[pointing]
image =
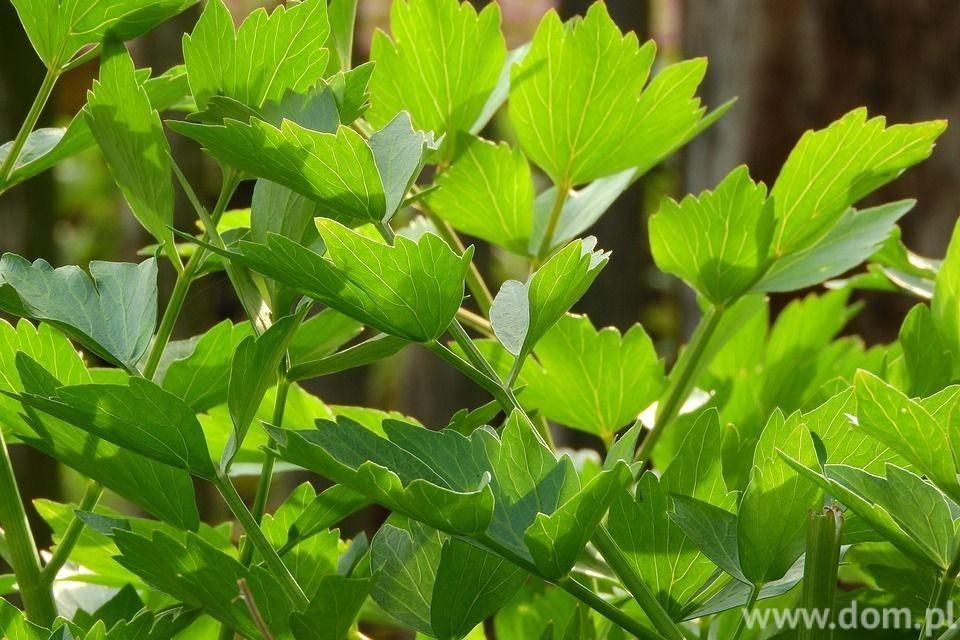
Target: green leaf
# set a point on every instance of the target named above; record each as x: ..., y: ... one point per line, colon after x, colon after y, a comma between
x: 717, y: 242
x: 945, y: 304
x: 488, y: 193
x: 47, y: 146
x: 457, y: 500
x: 438, y: 585
x: 523, y: 312
x: 908, y: 428
x: 139, y: 416
x: 578, y: 104
x: 410, y: 290
x: 321, y: 335
x: 870, y: 496
x: 200, y: 377
x: 323, y: 511
x: 159, y: 489
x: 831, y: 169
x: 404, y: 561
x: 301, y: 159
x: 200, y: 575
x: 556, y: 540
x: 854, y: 238
x: 112, y: 312
x: 712, y: 529
x: 442, y: 63
x: 400, y: 152
x: 376, y: 348
x: 657, y: 547
x: 928, y: 362
x: 337, y: 604
x: 595, y: 381
x: 15, y: 626
x: 831, y: 423
x: 58, y: 29
x: 131, y: 137
x: 266, y: 57
x: 470, y: 586
x: 342, y: 15
x: 254, y: 370
x: 678, y: 118
x: 772, y: 518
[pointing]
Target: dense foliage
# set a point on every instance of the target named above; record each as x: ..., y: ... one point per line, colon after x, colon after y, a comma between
x: 770, y: 450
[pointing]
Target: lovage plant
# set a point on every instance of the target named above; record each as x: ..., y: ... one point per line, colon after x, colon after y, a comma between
x: 773, y: 461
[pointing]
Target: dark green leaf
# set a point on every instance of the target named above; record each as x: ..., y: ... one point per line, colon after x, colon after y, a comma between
x: 112, y: 312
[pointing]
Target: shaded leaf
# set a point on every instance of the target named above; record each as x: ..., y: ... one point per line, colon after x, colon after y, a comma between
x: 86, y: 307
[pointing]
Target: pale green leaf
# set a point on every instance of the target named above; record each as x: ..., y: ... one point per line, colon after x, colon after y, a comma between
x: 772, y: 518
x: 523, y: 312
x: 578, y: 103
x: 595, y: 381
x: 337, y: 605
x: 831, y: 169
x: 488, y: 193
x: 716, y: 242
x: 267, y: 56
x: 908, y: 428
x: 712, y: 529
x: 58, y: 29
x: 399, y: 151
x: 441, y: 64
x: 854, y: 238
x: 945, y: 304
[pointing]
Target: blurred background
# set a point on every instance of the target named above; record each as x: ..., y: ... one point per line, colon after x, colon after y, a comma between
x: 793, y: 64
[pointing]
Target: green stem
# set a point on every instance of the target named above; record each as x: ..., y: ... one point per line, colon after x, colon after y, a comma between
x: 621, y: 566
x: 684, y: 376
x: 259, y: 541
x: 563, y: 191
x: 259, y: 506
x: 747, y: 608
x: 481, y: 293
x: 36, y: 592
x: 509, y: 399
x: 576, y: 589
x: 72, y: 535
x: 43, y: 94
x: 170, y: 315
x: 943, y: 592
x: 820, y: 566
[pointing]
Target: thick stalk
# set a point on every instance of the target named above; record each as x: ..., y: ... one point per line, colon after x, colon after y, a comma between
x: 621, y: 566
x: 563, y: 191
x: 43, y: 94
x: 36, y: 592
x: 259, y: 506
x: 820, y: 566
x: 690, y: 364
x: 259, y: 541
x: 72, y: 535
